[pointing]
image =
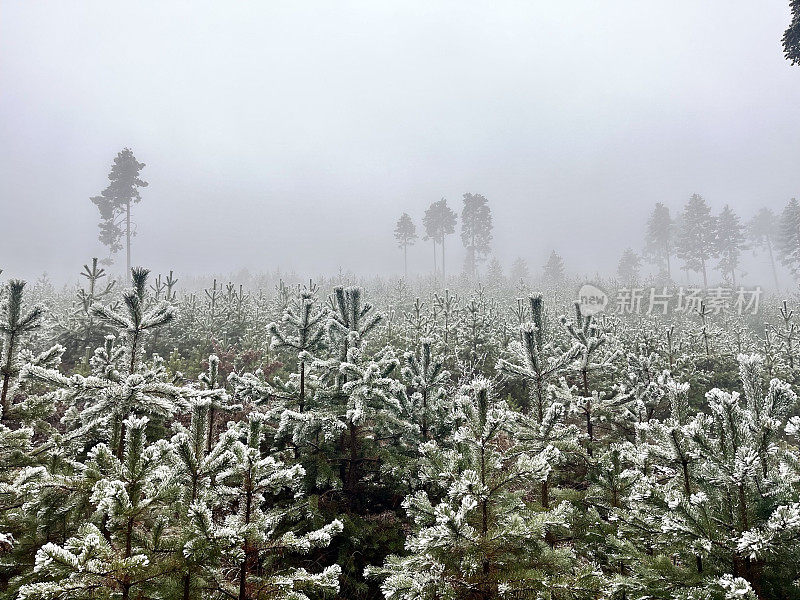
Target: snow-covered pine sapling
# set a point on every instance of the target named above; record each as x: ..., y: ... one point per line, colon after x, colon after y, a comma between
x: 302, y: 332
x: 210, y: 309
x: 769, y: 351
x: 669, y: 346
x: 536, y: 359
x: 218, y: 398
x: 476, y: 335
x: 117, y: 556
x: 418, y: 321
x: 590, y: 339
x: 645, y: 390
x: 426, y: 378
x: 448, y: 312
x: 348, y: 315
x: 139, y: 318
x: 703, y: 311
x: 788, y: 333
x: 670, y: 445
x: 726, y: 504
x: 367, y: 392
x: 122, y: 384
x: 263, y: 524
x: 196, y: 464
x: 195, y: 467
x: 473, y: 533
x: 95, y: 292
x: 15, y: 322
x: 166, y: 286
x: 520, y: 312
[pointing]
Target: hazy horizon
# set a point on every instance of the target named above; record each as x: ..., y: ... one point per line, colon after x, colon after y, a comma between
x: 294, y: 135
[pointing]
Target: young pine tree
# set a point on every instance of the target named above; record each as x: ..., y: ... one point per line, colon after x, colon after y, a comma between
x: 591, y: 340
x: 721, y: 495
x: 265, y: 525
x: 218, y: 399
x: 195, y: 468
x: 122, y: 383
x: 536, y: 358
x: 474, y: 535
x: 302, y: 333
x: 425, y: 378
x: 15, y: 323
x: 116, y: 555
x: 494, y: 272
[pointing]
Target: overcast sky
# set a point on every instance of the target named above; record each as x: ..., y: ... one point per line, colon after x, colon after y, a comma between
x: 294, y: 133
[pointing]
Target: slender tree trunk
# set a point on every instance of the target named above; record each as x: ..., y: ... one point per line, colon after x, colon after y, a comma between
x: 425, y: 415
x: 444, y: 274
x: 302, y: 386
x: 705, y: 276
x: 589, y: 423
x: 687, y: 488
x: 434, y: 258
x: 669, y: 267
x: 6, y: 401
x: 772, y: 264
x: 128, y: 236
x: 187, y: 587
x: 545, y: 495
x: 210, y: 434
x: 126, y: 585
x: 121, y: 442
x: 247, y: 549
x: 405, y: 261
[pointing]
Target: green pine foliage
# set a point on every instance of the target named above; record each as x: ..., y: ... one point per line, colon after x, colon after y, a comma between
x: 393, y: 440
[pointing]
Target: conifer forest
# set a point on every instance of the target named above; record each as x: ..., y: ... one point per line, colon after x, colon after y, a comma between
x: 596, y: 399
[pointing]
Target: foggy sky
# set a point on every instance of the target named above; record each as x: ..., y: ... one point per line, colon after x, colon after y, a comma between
x: 293, y: 134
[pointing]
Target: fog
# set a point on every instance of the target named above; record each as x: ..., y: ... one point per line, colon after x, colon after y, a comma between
x: 293, y: 135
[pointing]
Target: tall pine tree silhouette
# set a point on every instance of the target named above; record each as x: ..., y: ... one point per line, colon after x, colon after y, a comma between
x: 696, y: 240
x: 405, y: 232
x: 114, y: 203
x: 476, y: 231
x: 439, y: 222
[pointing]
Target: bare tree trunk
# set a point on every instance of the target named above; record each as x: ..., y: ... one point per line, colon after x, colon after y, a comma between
x: 210, y: 433
x: 669, y: 267
x: 128, y: 236
x: 705, y: 276
x: 6, y: 401
x: 772, y: 264
x: 302, y: 386
x: 444, y: 275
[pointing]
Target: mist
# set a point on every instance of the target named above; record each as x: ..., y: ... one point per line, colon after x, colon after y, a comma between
x: 293, y: 135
